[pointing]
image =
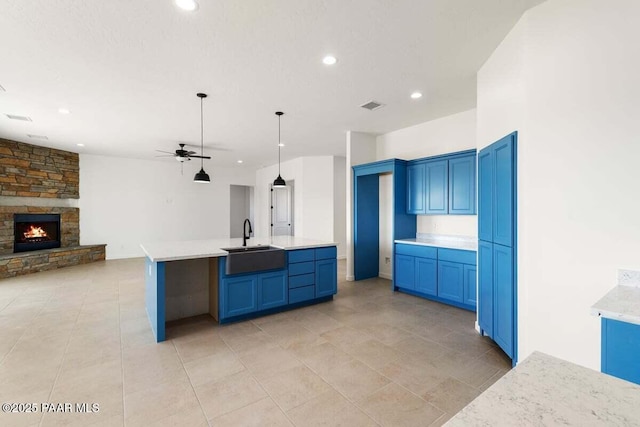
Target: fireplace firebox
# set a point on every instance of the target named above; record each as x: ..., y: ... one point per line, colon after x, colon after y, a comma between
x: 33, y: 232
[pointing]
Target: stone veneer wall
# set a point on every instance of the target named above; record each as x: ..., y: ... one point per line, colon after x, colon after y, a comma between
x: 69, y: 225
x: 49, y: 259
x: 31, y: 171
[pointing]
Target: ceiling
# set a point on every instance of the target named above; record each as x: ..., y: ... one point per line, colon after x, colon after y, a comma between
x: 129, y: 71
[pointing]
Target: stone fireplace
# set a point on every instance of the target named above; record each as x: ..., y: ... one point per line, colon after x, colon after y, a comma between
x: 33, y: 232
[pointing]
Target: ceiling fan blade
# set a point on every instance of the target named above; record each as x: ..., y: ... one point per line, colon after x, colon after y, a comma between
x: 191, y: 152
x: 201, y: 157
x: 166, y: 155
x: 166, y: 152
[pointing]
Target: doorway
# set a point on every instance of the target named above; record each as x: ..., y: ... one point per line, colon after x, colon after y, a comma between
x: 282, y: 220
x: 241, y: 202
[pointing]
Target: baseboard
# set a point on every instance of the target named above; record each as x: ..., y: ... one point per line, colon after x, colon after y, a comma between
x: 341, y: 257
x: 385, y: 276
x: 478, y: 327
x: 350, y: 278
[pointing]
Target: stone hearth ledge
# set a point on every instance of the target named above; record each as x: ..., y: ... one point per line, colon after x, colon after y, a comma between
x: 22, y: 263
x: 192, y: 249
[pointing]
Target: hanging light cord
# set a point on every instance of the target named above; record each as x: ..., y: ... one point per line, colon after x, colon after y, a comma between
x: 201, y: 134
x: 279, y: 144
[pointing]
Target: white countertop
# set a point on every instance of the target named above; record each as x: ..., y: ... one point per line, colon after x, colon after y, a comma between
x: 191, y: 249
x: 465, y: 243
x: 621, y: 303
x: 545, y: 391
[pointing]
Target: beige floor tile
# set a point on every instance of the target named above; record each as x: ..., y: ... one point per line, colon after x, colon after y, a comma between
x: 395, y: 406
x: 322, y: 358
x: 451, y: 395
x: 316, y: 321
x: 414, y: 374
x: 264, y: 364
x: 374, y: 353
x: 200, y: 347
x: 150, y: 365
x: 294, y: 386
x: 329, y: 409
x: 355, y: 380
x: 153, y: 404
x: 346, y: 337
x: 228, y: 394
x: 213, y: 368
x: 419, y: 347
x: 263, y: 413
x: 15, y: 419
x: 249, y: 343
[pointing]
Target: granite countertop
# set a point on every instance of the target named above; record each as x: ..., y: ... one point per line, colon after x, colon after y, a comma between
x: 545, y: 391
x: 622, y: 302
x: 465, y: 243
x: 192, y: 249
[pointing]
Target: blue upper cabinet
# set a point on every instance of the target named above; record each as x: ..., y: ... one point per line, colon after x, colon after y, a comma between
x: 462, y: 188
x: 436, y: 187
x: 416, y: 188
x: 442, y: 185
x: 485, y: 195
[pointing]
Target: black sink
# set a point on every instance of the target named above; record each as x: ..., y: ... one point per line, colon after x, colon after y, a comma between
x: 248, y: 259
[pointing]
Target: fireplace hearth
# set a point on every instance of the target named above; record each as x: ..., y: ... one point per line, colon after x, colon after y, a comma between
x: 34, y: 232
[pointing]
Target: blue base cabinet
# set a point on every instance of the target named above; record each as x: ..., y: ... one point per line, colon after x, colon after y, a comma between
x: 443, y: 275
x: 311, y: 276
x: 621, y: 350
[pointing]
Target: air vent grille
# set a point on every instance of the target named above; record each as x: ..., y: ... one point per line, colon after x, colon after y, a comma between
x: 372, y: 105
x: 15, y: 117
x: 2, y: 89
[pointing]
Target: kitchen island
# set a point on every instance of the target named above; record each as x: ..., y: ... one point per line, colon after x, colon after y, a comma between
x: 189, y: 278
x: 546, y: 391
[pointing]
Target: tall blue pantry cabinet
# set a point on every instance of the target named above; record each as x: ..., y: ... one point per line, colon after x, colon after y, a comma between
x: 497, y: 276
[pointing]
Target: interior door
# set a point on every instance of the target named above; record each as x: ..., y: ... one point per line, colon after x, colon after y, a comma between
x: 282, y: 211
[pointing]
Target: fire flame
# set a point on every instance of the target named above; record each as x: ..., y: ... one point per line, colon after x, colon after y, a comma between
x: 34, y: 232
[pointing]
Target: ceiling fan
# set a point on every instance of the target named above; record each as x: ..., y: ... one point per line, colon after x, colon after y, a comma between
x: 182, y: 155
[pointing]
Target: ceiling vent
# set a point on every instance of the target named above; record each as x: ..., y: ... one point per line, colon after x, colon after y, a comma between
x: 38, y: 136
x: 372, y: 105
x: 2, y: 89
x: 23, y: 118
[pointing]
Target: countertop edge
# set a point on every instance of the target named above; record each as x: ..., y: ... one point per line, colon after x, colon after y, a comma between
x: 459, y: 247
x: 615, y: 316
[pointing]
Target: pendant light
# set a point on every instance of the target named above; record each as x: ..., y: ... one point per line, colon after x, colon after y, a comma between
x: 201, y: 177
x: 279, y: 182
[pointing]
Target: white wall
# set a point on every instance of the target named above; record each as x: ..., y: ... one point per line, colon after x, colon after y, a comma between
x: 340, y: 205
x: 574, y: 100
x: 361, y: 148
x: 240, y: 201
x: 317, y: 205
x: 125, y: 202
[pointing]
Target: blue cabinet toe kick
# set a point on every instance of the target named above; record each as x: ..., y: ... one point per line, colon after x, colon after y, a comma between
x: 261, y: 313
x: 436, y: 299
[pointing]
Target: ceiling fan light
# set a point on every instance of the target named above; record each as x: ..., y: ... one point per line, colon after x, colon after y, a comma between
x: 279, y: 182
x: 202, y: 177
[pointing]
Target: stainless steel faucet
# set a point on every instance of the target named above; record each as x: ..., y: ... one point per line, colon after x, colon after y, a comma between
x: 246, y: 236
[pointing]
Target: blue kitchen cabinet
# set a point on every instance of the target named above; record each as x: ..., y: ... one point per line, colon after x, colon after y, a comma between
x: 272, y: 289
x: 405, y: 271
x: 497, y: 298
x: 469, y: 285
x: 462, y: 188
x: 416, y: 188
x: 620, y: 349
x: 436, y: 198
x: 238, y: 295
x: 485, y: 287
x: 426, y: 273
x: 326, y: 277
x: 450, y: 280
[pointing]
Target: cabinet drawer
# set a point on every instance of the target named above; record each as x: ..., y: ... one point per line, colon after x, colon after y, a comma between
x: 302, y: 255
x: 326, y: 253
x: 301, y: 294
x: 456, y: 255
x: 302, y: 268
x: 301, y: 280
x: 417, y: 250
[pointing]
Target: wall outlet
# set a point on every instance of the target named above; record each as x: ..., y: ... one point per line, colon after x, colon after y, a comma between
x: 387, y: 260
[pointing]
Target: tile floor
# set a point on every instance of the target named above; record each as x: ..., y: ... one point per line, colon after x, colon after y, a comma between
x: 369, y: 357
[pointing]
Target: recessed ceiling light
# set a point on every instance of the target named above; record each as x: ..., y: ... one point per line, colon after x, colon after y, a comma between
x: 80, y: 145
x: 15, y: 117
x: 239, y: 161
x: 329, y: 60
x: 416, y: 95
x: 38, y: 136
x: 63, y: 111
x: 281, y: 145
x: 188, y: 5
